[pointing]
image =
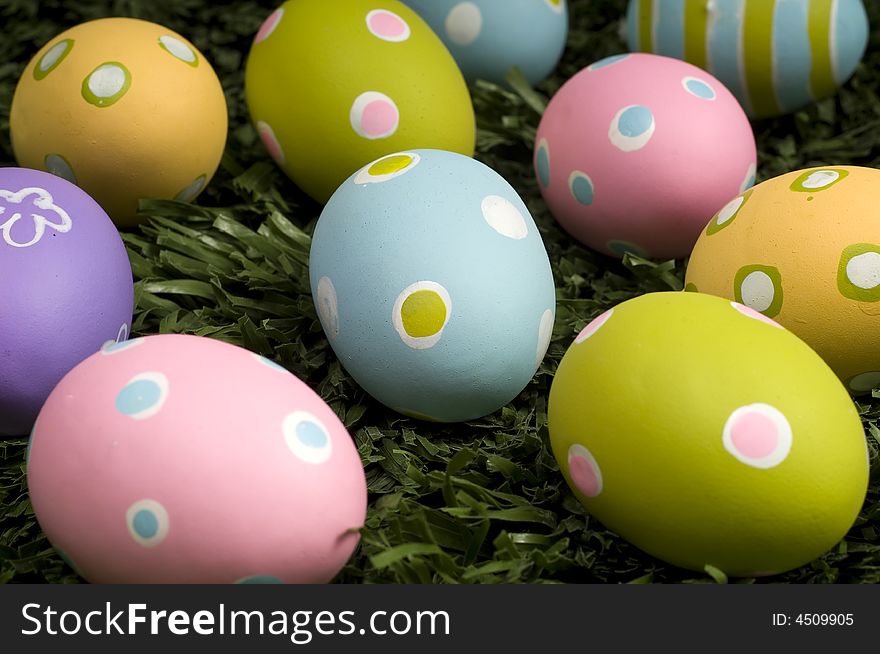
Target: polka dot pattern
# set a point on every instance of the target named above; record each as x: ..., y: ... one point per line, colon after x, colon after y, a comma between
x: 632, y: 128
x: 584, y: 470
x: 502, y: 216
x: 464, y: 23
x: 387, y: 167
x: 758, y: 435
x: 728, y: 213
x: 751, y: 313
x: 607, y: 61
x: 542, y: 162
x: 117, y: 346
x: 814, y: 181
x: 107, y: 84
x: 53, y: 58
x: 581, y: 187
x: 327, y: 307
x: 421, y: 313
x: 590, y: 330
x: 760, y: 288
x: 269, y: 363
x: 259, y: 579
x: 269, y: 26
x: 147, y: 522
x: 178, y: 49
x: 192, y: 191
x: 307, y: 437
x: 865, y: 382
x: 387, y: 26
x: 621, y: 248
x: 143, y: 396
x: 545, y: 333
x: 59, y: 166
x: 749, y: 180
x: 273, y: 147
x: 698, y: 88
x: 556, y: 5
x: 374, y: 116
x: 858, y: 274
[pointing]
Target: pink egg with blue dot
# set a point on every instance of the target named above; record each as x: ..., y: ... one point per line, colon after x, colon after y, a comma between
x: 180, y: 459
x: 636, y: 152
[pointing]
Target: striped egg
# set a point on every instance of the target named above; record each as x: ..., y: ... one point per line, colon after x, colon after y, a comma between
x: 776, y: 56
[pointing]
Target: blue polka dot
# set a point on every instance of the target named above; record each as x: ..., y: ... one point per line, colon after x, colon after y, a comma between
x: 64, y: 557
x: 622, y: 247
x: 607, y: 61
x: 635, y: 121
x: 145, y: 524
x: 581, y: 188
x: 27, y: 452
x: 699, y: 88
x: 271, y: 364
x: 260, y: 579
x: 543, y: 164
x: 311, y: 434
x: 139, y: 398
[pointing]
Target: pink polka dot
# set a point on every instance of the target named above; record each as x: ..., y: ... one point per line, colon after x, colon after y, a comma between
x: 271, y: 143
x: 584, y: 471
x: 758, y: 435
x: 268, y: 26
x: 387, y: 25
x: 751, y: 313
x: 593, y: 327
x: 374, y: 115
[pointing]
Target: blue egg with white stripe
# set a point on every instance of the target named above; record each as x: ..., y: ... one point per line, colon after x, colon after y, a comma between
x: 775, y: 56
x: 488, y: 38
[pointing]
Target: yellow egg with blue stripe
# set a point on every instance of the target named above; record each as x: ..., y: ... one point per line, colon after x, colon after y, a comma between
x: 775, y: 56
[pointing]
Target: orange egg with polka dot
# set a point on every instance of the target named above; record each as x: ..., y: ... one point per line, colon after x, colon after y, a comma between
x: 804, y: 249
x: 124, y: 108
x: 331, y: 89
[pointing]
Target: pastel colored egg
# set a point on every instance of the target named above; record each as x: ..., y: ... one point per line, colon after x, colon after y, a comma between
x: 66, y: 288
x: 330, y: 90
x: 488, y: 38
x: 776, y: 56
x: 712, y: 437
x: 180, y: 459
x: 125, y: 109
x: 804, y: 249
x: 635, y: 152
x: 432, y: 284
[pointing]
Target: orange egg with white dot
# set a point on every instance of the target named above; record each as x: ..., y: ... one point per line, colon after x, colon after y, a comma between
x: 804, y: 249
x: 124, y: 108
x: 331, y: 89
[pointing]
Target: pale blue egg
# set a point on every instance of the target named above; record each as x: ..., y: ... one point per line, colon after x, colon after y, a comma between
x: 432, y: 285
x: 489, y: 37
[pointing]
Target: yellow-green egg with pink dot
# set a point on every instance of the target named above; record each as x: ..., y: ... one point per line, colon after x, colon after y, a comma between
x: 803, y: 248
x: 714, y: 438
x: 124, y: 108
x: 332, y: 88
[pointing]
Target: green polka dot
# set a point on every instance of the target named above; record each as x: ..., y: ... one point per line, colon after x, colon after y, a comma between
x: 621, y: 248
x: 728, y: 213
x: 178, y: 49
x: 690, y: 287
x: 759, y: 287
x: 818, y: 180
x: 53, y: 58
x: 106, y: 84
x: 858, y: 273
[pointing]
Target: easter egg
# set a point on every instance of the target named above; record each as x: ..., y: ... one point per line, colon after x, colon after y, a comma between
x: 804, y: 249
x: 488, y: 38
x: 125, y: 109
x: 635, y: 152
x: 67, y: 288
x: 432, y: 285
x: 181, y: 459
x: 705, y: 434
x: 774, y: 55
x: 331, y: 89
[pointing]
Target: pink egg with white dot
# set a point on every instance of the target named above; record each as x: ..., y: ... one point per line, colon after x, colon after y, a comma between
x: 180, y: 459
x: 636, y: 152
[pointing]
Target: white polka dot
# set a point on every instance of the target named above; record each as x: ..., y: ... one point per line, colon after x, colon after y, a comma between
x: 729, y: 210
x: 863, y: 270
x: 545, y: 332
x: 122, y: 334
x: 370, y: 174
x: 758, y: 435
x: 420, y: 342
x: 327, y: 307
x: 504, y: 218
x: 106, y: 81
x: 593, y: 326
x: 178, y: 48
x: 749, y: 180
x: 374, y: 115
x: 866, y: 381
x: 757, y: 290
x: 820, y: 179
x: 147, y: 522
x: 53, y: 54
x: 632, y: 128
x: 464, y: 23
x: 307, y: 437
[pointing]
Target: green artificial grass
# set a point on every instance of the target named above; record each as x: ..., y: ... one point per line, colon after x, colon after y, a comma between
x: 481, y: 502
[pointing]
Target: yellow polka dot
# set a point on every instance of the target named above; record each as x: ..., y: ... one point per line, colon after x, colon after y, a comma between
x: 555, y: 2
x: 390, y: 165
x: 423, y: 314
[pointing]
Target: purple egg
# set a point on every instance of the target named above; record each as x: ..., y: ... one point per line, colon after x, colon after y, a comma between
x: 65, y: 288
